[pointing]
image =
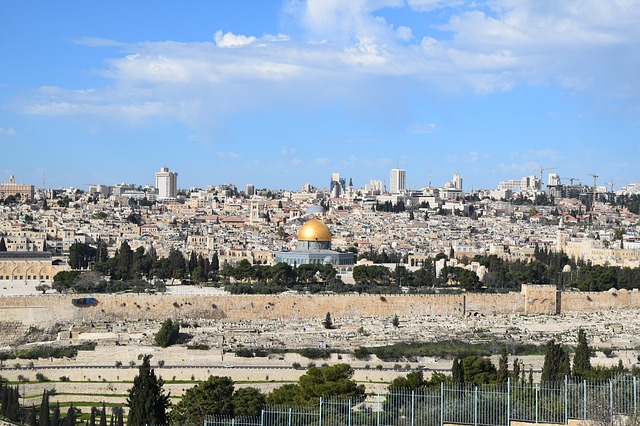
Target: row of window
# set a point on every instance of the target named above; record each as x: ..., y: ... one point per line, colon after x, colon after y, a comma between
x: 29, y: 277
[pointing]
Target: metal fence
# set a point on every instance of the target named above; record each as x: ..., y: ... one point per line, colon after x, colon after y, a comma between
x: 486, y: 405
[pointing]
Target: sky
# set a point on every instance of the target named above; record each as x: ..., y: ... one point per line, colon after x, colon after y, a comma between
x: 280, y: 93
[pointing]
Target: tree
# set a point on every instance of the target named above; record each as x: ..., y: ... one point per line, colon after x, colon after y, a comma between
x: 478, y: 370
x: 503, y: 367
x: 213, y: 396
x: 81, y: 255
x: 284, y: 395
x: 3, y: 245
x: 556, y: 363
x: 457, y: 373
x: 147, y: 401
x: 168, y: 333
x: 395, y: 321
x: 328, y: 322
x: 70, y: 418
x: 31, y: 419
x: 248, y: 402
x: 334, y: 380
x: 44, y: 410
x: 103, y: 415
x: 413, y: 381
x: 581, y: 358
x: 55, y: 417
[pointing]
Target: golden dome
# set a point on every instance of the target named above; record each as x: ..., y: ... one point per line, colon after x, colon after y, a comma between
x: 314, y: 230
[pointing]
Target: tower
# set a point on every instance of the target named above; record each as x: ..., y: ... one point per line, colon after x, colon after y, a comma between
x: 397, y: 181
x: 167, y: 184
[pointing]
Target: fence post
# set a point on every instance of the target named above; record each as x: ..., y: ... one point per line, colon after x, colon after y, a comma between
x: 290, y: 413
x: 441, y: 403
x: 379, y: 409
x: 320, y: 414
x: 635, y: 396
x: 475, y: 407
x: 350, y: 412
x: 262, y: 418
x: 537, y: 404
x: 413, y: 408
x: 508, y: 401
x: 584, y: 399
x: 566, y: 400
x: 611, y: 398
x: 233, y: 421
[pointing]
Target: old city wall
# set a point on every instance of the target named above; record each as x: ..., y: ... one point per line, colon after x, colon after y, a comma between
x: 600, y: 301
x: 533, y: 299
x: 38, y: 310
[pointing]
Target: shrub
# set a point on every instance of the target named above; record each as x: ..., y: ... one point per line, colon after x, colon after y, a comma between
x: 65, y: 379
x: 315, y: 353
x: 168, y: 333
x: 22, y: 378
x: 41, y: 377
x: 296, y: 365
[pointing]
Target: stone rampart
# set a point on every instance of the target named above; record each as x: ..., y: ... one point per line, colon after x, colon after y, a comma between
x: 494, y: 304
x: 48, y: 309
x: 600, y: 301
x: 534, y: 299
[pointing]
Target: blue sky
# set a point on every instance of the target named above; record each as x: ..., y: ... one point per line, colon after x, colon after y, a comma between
x: 281, y: 93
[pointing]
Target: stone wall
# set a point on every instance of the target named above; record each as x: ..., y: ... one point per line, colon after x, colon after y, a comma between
x: 600, y: 301
x: 534, y: 299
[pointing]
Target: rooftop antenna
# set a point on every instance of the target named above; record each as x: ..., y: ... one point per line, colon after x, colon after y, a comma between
x: 429, y: 178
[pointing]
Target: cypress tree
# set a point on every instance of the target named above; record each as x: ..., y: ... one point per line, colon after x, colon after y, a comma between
x: 31, y: 419
x: 4, y: 399
x: 457, y: 372
x: 92, y: 419
x: 581, y: 360
x: 55, y: 418
x: 120, y: 419
x: 556, y: 363
x: 70, y: 419
x: 503, y: 367
x: 515, y: 375
x: 44, y: 410
x: 3, y: 245
x: 103, y: 416
x: 147, y: 402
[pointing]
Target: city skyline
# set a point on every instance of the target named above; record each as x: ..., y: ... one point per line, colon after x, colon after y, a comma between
x: 283, y: 93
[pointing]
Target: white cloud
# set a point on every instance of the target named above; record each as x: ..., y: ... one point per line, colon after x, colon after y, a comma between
x: 229, y: 39
x: 287, y: 151
x: 353, y: 56
x: 7, y: 132
x: 422, y: 129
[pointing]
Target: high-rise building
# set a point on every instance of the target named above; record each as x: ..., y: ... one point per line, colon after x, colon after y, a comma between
x: 457, y: 181
x: 167, y: 184
x: 337, y: 185
x: 397, y: 181
x: 249, y: 190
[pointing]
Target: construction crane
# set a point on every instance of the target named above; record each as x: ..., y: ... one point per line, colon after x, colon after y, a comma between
x: 595, y: 177
x: 571, y: 180
x: 612, y: 182
x: 542, y: 169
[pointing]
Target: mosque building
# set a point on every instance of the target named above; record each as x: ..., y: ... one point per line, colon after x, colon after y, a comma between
x: 314, y: 247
